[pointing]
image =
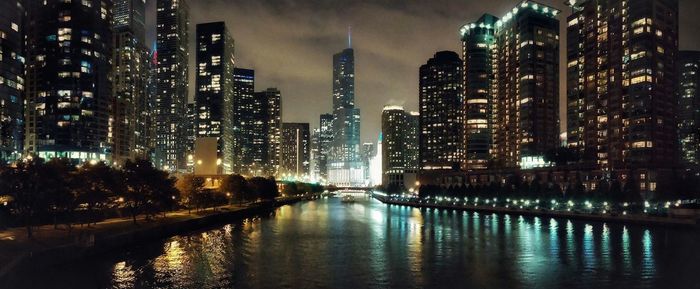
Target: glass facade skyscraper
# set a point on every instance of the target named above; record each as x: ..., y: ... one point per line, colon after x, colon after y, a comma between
x: 214, y: 94
x: 344, y: 164
x: 172, y: 23
x: 131, y: 114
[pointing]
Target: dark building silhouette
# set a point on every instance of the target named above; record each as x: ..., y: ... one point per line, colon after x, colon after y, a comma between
x: 441, y: 106
x: 12, y: 86
x: 214, y: 96
x: 69, y: 91
x: 172, y: 21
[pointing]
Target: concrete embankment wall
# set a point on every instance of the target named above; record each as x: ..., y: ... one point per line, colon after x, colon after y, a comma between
x: 106, y: 242
x: 629, y: 219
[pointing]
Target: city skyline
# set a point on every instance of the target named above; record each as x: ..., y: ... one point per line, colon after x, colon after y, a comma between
x: 384, y: 46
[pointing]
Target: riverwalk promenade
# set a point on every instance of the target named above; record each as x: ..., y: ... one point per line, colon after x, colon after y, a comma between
x: 639, y: 219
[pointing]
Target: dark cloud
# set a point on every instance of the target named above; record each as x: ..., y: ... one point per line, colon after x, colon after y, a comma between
x: 290, y: 44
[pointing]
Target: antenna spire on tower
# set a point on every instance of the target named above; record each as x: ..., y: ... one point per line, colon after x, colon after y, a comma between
x: 349, y: 36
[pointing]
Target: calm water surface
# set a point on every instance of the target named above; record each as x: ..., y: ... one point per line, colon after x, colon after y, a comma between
x: 329, y: 244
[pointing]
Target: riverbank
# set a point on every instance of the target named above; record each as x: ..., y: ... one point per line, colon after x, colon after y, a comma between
x: 52, y: 247
x: 629, y: 219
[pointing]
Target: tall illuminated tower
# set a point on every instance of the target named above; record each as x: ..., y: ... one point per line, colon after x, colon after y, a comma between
x: 344, y: 163
x: 172, y: 75
x: 214, y: 94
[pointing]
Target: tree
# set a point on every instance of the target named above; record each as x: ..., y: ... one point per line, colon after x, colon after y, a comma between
x: 192, y: 188
x: 24, y: 183
x: 234, y: 185
x: 97, y: 183
x: 146, y: 188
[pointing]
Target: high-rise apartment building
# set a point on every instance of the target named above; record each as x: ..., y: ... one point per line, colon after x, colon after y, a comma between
x: 441, y: 121
x: 273, y: 130
x: 621, y: 82
x: 295, y: 150
x: 689, y: 108
x: 172, y: 23
x: 214, y: 96
x: 12, y: 60
x: 399, y: 144
x: 131, y: 113
x: 257, y: 127
x: 243, y: 90
x: 69, y: 87
x: 478, y: 43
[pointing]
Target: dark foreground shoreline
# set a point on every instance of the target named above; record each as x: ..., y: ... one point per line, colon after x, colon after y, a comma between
x: 102, y: 243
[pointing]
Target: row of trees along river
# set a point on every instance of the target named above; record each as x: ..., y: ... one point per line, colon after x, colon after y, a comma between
x: 37, y: 192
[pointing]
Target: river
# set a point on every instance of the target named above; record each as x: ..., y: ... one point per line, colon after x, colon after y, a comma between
x: 330, y: 244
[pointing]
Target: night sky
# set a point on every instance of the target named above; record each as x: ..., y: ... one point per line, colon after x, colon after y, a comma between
x: 290, y: 44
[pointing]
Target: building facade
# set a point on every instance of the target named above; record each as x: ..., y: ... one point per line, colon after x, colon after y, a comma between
x: 478, y: 44
x: 295, y: 150
x: 399, y: 143
x: 273, y: 129
x: 621, y: 82
x: 441, y: 118
x: 243, y: 90
x: 214, y: 94
x: 12, y: 60
x: 324, y: 143
x: 344, y: 164
x: 131, y: 118
x: 257, y: 127
x: 689, y: 108
x: 69, y: 87
x: 172, y: 21
x: 525, y: 86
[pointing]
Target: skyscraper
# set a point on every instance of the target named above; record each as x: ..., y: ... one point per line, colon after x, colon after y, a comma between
x: 295, y: 150
x: 314, y: 157
x: 259, y: 121
x: 172, y: 23
x: 12, y: 59
x: 273, y: 131
x: 478, y: 40
x: 243, y: 90
x: 324, y: 143
x: 689, y: 107
x: 399, y: 144
x: 441, y: 114
x: 69, y: 89
x: 526, y: 85
x: 621, y: 82
x: 214, y: 95
x: 131, y: 111
x: 344, y: 164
